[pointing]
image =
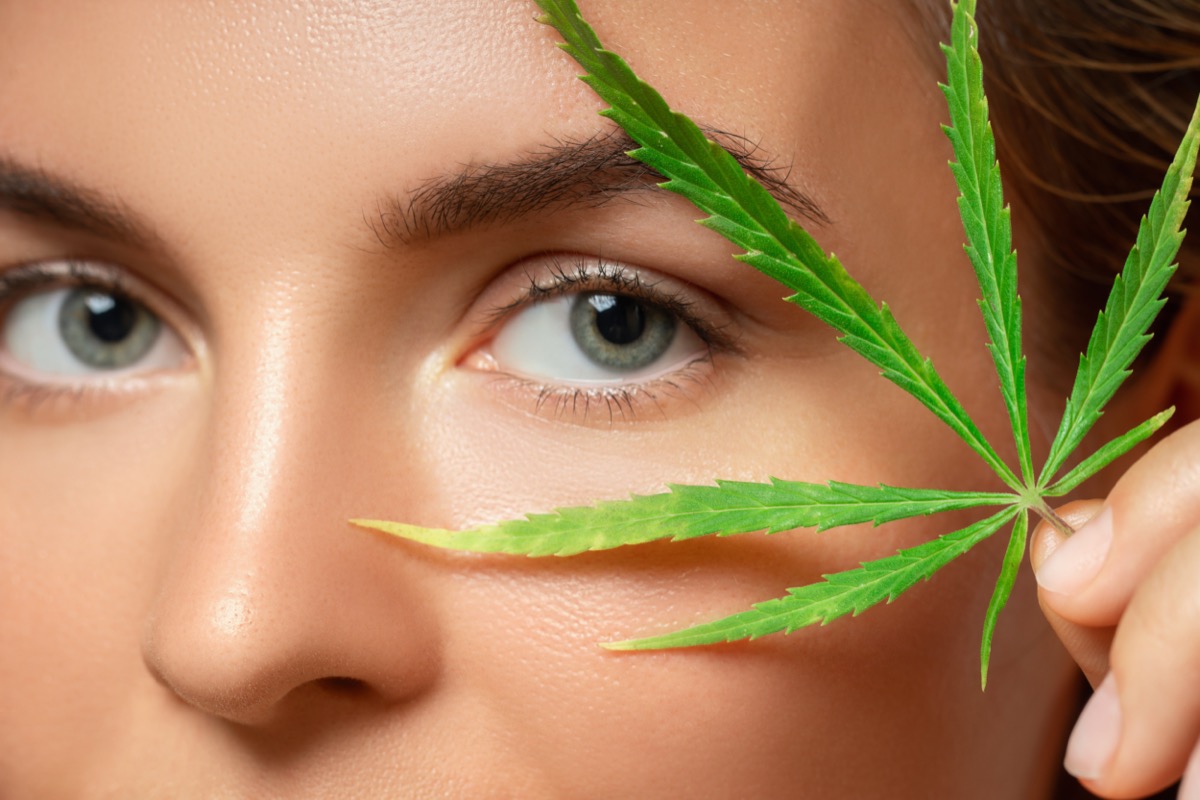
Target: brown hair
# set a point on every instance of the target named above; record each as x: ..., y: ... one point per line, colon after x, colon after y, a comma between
x: 1089, y: 99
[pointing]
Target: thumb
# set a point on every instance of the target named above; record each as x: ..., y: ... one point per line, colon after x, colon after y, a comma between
x: 1088, y: 645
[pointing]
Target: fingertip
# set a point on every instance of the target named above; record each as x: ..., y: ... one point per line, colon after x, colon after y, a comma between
x: 1190, y: 788
x: 1078, y: 559
x: 1046, y: 539
x: 1096, y: 734
x: 1042, y: 543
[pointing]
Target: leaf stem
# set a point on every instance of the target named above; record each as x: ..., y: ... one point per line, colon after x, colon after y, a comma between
x: 1045, y: 512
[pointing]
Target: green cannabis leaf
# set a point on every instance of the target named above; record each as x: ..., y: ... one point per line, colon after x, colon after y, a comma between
x: 987, y: 225
x: 1135, y: 300
x: 686, y: 512
x: 741, y: 210
x: 849, y: 592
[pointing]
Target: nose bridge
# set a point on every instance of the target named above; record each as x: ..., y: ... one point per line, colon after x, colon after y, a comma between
x: 251, y: 408
x: 267, y: 588
x: 276, y: 431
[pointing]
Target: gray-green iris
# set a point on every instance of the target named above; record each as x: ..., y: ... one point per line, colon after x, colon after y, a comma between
x: 105, y: 330
x: 619, y: 332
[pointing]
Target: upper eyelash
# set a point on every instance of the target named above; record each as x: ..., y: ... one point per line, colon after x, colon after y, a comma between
x: 579, y: 274
x: 43, y: 275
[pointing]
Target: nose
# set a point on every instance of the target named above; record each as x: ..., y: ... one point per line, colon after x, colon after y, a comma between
x: 268, y: 601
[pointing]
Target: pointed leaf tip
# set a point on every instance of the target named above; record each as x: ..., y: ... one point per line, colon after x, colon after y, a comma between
x: 1013, y: 558
x: 1136, y: 299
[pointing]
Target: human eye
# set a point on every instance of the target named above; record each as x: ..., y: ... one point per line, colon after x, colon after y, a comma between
x: 584, y: 333
x: 70, y: 325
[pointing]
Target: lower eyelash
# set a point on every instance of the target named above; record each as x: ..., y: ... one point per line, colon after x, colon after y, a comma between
x: 617, y: 403
x: 66, y: 400
x: 40, y: 399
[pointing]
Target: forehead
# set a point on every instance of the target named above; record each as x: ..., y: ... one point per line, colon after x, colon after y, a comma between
x: 323, y: 104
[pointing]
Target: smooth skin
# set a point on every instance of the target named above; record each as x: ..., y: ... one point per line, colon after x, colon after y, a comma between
x: 184, y: 610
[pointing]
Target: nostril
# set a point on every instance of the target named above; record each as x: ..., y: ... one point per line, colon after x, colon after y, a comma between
x: 343, y: 686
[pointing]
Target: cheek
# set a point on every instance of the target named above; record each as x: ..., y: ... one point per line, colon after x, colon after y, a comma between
x: 715, y: 721
x: 751, y: 706
x: 810, y: 418
x: 81, y: 538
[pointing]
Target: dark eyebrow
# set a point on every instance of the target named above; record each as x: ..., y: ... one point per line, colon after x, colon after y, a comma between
x: 40, y: 195
x: 589, y: 173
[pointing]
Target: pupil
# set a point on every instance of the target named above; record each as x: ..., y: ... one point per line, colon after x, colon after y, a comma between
x: 110, y: 319
x: 620, y: 320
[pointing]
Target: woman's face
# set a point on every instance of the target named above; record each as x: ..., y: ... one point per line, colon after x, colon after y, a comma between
x: 272, y: 266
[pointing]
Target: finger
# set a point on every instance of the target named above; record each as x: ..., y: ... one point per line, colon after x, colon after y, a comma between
x: 1190, y: 788
x: 1138, y: 730
x: 1088, y: 645
x: 1089, y: 579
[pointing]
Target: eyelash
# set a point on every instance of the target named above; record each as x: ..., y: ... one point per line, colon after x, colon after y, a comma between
x: 33, y: 397
x: 621, y: 402
x: 582, y: 275
x: 25, y: 279
x: 576, y: 274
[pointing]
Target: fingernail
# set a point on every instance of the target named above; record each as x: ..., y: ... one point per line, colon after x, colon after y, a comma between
x: 1077, y: 560
x: 1190, y: 788
x: 1096, y: 734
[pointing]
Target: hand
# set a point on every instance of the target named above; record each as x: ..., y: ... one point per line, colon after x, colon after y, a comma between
x: 1123, y: 595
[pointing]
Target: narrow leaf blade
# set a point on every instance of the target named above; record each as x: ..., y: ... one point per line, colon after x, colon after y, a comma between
x: 1109, y: 453
x: 986, y: 220
x: 1008, y: 575
x: 849, y: 592
x: 1135, y: 300
x: 686, y: 512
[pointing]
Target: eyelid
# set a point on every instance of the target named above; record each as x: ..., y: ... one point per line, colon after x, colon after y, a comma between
x: 48, y: 274
x: 552, y: 275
